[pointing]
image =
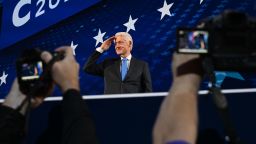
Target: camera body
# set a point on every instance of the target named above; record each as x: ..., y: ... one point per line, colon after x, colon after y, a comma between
x: 34, y: 75
x: 229, y: 40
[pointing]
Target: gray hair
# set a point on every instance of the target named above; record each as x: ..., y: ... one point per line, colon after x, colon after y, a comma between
x: 127, y: 36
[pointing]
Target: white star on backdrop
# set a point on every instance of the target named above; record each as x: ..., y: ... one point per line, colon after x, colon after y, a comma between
x: 73, y: 47
x: 99, y: 37
x: 3, y: 78
x: 130, y: 24
x: 165, y: 10
x: 201, y: 1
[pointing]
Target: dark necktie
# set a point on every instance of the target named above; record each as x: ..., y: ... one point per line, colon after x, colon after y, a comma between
x: 124, y: 68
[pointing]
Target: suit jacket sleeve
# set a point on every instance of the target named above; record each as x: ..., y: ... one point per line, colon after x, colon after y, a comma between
x: 78, y: 126
x: 91, y: 65
x: 146, y: 79
x: 12, y: 126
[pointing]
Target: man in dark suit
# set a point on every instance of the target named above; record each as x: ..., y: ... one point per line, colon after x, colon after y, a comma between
x: 124, y: 74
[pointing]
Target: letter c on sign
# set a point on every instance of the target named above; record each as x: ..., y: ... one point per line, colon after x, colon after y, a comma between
x: 19, y: 21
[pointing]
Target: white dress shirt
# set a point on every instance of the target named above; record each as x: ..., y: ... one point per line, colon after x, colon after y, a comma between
x: 129, y: 57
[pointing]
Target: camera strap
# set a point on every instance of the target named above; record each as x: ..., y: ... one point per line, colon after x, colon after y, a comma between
x: 220, y: 102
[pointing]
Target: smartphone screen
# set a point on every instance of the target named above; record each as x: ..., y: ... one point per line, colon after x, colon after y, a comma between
x: 192, y: 41
x: 31, y: 71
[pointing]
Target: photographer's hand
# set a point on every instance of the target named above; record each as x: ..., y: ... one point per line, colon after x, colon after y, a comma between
x: 16, y: 97
x: 64, y: 72
x: 177, y: 119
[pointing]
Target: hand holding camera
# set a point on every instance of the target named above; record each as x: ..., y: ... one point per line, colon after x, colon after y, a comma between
x: 65, y: 72
x: 37, y: 71
x: 228, y: 40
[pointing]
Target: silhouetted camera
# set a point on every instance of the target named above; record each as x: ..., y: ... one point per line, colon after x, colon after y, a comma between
x: 228, y: 39
x: 34, y: 75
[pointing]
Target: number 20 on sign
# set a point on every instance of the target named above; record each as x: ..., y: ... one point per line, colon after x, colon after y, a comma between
x: 41, y: 9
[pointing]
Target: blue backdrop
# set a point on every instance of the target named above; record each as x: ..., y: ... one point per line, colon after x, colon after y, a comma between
x: 24, y: 18
x: 153, y: 33
x: 154, y: 41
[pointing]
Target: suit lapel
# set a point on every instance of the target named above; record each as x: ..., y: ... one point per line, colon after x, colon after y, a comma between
x: 117, y: 68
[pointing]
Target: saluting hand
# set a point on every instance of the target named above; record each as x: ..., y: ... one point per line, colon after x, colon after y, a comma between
x: 107, y: 43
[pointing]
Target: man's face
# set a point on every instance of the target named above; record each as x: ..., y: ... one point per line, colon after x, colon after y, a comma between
x: 122, y: 46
